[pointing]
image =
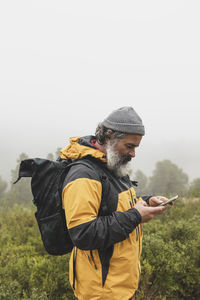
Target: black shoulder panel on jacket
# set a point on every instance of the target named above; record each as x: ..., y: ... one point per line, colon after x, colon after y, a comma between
x: 81, y: 171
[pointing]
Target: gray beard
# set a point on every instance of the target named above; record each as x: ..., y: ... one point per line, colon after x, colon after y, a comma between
x: 115, y: 162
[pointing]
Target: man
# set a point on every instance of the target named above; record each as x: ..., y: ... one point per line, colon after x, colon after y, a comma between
x: 103, y: 214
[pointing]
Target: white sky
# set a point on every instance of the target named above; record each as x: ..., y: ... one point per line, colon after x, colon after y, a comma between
x: 65, y: 65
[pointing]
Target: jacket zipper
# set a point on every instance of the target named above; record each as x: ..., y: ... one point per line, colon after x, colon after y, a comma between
x: 74, y: 266
x: 137, y: 228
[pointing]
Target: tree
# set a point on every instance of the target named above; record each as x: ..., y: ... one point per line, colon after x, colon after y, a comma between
x: 168, y: 179
x: 21, y: 191
x: 3, y: 186
x: 50, y: 156
x: 142, y: 180
x: 57, y: 153
x: 54, y: 156
x: 194, y: 190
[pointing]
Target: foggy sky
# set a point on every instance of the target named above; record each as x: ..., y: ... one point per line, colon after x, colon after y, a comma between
x: 65, y: 65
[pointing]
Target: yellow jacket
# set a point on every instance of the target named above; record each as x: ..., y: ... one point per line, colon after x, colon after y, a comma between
x: 105, y: 261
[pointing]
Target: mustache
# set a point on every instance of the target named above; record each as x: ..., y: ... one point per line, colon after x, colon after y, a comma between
x: 126, y: 159
x: 118, y: 164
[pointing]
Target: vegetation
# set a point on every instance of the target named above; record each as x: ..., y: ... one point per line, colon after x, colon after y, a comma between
x: 194, y: 190
x: 167, y: 179
x: 142, y: 179
x: 26, y: 270
x: 3, y: 186
x: 170, y: 259
x: 171, y: 244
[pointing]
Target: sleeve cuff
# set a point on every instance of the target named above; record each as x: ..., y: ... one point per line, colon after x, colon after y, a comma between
x: 146, y: 198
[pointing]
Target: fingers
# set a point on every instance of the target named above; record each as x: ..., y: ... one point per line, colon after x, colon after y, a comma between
x: 142, y: 202
x: 164, y: 199
x: 155, y: 201
x: 158, y: 210
x: 155, y: 211
x: 147, y: 213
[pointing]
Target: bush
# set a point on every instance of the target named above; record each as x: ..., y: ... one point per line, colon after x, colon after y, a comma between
x: 194, y: 190
x: 170, y: 260
x: 27, y: 271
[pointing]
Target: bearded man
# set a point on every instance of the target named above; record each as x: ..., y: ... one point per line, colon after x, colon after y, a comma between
x: 103, y: 213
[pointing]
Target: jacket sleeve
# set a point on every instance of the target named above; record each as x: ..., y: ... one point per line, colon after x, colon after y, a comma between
x: 146, y: 198
x: 81, y: 201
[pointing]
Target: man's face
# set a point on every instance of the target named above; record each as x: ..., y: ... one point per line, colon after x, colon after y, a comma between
x: 120, y: 152
x: 126, y: 146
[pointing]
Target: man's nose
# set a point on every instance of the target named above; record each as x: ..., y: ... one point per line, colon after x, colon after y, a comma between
x: 132, y: 153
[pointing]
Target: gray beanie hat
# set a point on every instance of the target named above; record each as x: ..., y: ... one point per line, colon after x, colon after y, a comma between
x: 125, y: 119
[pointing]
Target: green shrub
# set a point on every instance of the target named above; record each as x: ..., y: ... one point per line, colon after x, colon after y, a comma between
x: 170, y: 260
x: 26, y: 270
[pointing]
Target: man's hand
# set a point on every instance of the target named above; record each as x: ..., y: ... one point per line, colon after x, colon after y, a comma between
x: 156, y: 200
x: 147, y: 213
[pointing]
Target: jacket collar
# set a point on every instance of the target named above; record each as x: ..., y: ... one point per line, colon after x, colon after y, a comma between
x: 80, y: 147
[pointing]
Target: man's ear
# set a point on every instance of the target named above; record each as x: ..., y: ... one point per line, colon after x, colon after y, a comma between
x: 109, y: 133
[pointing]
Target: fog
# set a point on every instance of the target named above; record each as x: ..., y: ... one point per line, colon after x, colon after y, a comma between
x: 65, y: 65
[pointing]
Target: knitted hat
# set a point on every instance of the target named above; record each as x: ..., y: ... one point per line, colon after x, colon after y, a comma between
x: 125, y: 119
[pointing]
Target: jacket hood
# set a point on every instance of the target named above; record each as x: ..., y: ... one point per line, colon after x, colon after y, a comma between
x: 80, y: 147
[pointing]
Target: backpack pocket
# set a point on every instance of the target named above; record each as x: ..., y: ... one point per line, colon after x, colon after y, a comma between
x: 54, y: 233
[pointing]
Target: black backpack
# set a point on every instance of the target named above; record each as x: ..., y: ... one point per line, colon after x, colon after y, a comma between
x: 46, y: 184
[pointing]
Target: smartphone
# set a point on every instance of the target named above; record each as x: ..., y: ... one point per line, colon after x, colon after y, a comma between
x: 168, y: 201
